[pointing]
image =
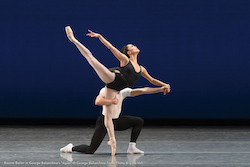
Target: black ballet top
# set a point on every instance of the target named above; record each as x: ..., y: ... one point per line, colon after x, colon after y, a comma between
x: 126, y: 78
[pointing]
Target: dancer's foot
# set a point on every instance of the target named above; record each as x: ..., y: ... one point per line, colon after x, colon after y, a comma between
x: 133, y: 150
x: 70, y: 34
x: 112, y: 144
x: 67, y: 149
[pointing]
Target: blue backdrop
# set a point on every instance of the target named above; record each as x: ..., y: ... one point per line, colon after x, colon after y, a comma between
x: 200, y: 47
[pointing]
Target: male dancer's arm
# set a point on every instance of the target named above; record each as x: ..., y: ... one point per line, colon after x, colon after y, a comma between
x: 102, y: 101
x: 148, y: 90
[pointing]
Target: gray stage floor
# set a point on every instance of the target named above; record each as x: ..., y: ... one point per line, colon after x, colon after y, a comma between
x: 163, y: 146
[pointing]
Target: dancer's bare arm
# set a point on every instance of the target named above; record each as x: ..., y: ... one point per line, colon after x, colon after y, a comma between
x: 101, y: 100
x: 120, y: 56
x: 152, y: 80
x: 148, y: 90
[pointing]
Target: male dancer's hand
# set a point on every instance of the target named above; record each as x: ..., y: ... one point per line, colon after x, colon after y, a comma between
x: 115, y: 100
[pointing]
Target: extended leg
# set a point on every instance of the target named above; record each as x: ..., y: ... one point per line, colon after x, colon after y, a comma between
x: 105, y: 75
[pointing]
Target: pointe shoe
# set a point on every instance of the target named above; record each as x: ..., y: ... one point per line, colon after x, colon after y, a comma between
x: 112, y: 144
x: 70, y: 34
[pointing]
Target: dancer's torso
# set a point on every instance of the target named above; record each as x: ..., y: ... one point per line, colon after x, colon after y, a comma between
x: 118, y: 107
x: 125, y: 78
x: 130, y: 74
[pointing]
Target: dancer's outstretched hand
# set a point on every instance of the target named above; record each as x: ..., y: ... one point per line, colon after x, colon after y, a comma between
x: 166, y: 89
x: 93, y: 34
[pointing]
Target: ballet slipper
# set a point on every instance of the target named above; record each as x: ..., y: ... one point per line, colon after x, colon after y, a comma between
x: 70, y: 34
x: 112, y: 144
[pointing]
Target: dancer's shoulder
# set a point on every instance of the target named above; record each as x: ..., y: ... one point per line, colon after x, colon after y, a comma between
x: 102, y: 91
x: 125, y: 92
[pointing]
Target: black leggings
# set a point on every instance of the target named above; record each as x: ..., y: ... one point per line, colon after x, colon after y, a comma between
x: 122, y: 123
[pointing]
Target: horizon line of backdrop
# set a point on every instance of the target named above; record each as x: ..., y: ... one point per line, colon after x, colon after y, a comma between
x: 199, y: 47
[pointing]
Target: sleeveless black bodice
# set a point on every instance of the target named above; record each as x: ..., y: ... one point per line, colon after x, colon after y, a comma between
x: 130, y: 74
x: 126, y: 78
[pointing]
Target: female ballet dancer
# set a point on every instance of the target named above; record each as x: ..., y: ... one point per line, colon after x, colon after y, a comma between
x: 129, y: 73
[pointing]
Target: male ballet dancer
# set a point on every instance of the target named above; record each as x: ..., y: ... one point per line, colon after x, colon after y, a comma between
x: 120, y: 123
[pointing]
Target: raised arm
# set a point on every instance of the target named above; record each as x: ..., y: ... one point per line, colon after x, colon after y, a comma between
x: 152, y: 80
x: 147, y: 90
x: 101, y: 100
x: 120, y: 56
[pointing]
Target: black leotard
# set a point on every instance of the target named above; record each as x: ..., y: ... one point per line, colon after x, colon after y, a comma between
x: 126, y: 78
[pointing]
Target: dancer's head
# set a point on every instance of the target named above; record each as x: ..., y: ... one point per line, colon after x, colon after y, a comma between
x: 130, y: 50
